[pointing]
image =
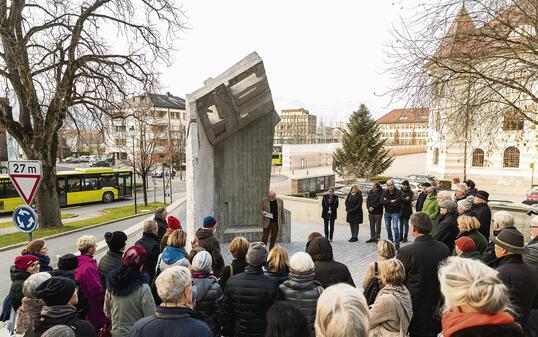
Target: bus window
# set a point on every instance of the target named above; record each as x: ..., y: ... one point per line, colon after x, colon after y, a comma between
x: 90, y: 184
x: 11, y: 191
x: 73, y: 184
x: 107, y: 181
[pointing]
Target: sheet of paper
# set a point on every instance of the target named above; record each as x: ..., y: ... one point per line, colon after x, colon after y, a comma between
x: 268, y: 215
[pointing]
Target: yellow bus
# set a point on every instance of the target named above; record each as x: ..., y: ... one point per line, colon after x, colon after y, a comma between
x: 277, y: 155
x: 79, y: 186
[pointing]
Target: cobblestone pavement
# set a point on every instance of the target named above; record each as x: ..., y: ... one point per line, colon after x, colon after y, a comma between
x: 356, y: 255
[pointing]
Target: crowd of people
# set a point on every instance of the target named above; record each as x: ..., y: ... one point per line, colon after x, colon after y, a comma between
x: 451, y: 279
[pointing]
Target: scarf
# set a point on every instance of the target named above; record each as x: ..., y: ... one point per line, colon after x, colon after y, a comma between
x: 172, y: 255
x: 403, y: 297
x: 455, y: 321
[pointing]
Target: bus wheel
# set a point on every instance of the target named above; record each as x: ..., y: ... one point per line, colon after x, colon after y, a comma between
x: 108, y: 197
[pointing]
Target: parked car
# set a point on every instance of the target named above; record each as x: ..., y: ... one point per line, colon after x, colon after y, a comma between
x: 84, y: 159
x: 158, y: 172
x: 72, y: 160
x: 422, y: 178
x: 532, y: 196
x: 344, y: 191
x: 101, y: 163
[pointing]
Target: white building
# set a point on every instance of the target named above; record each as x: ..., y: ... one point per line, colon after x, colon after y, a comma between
x: 157, y: 119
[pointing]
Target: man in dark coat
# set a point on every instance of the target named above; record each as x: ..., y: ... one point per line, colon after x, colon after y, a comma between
x: 392, y: 200
x: 329, y: 205
x: 150, y: 242
x: 375, y: 212
x: 160, y: 218
x: 327, y: 270
x: 445, y: 228
x: 248, y: 296
x: 481, y: 211
x: 354, y: 211
x: 421, y: 261
x: 116, y: 245
x: 406, y: 210
x: 520, y: 278
x: 421, y: 197
x: 205, y: 238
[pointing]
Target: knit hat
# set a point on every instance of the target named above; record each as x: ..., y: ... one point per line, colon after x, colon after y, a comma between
x: 465, y: 244
x: 24, y: 261
x: 257, y: 254
x: 68, y: 262
x: 482, y: 195
x: 115, y: 240
x: 466, y: 203
x: 59, y: 331
x: 173, y: 223
x: 202, y: 261
x: 56, y: 291
x: 449, y: 205
x: 209, y: 222
x: 512, y: 240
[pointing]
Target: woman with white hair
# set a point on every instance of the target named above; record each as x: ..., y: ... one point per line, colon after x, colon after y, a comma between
x: 477, y: 302
x: 87, y: 274
x: 301, y: 289
x: 174, y: 317
x: 31, y: 306
x: 342, y: 312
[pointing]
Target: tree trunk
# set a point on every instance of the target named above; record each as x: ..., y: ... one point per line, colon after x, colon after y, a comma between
x: 46, y: 199
x: 145, y: 189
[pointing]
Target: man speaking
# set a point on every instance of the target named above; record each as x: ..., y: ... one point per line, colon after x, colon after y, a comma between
x: 272, y: 212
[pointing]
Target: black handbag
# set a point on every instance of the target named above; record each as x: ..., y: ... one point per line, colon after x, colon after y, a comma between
x: 371, y: 291
x: 6, y: 309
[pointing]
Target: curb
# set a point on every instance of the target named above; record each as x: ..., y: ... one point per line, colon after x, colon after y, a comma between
x: 17, y: 245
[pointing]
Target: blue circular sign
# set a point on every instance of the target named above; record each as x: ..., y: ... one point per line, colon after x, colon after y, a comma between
x: 25, y: 219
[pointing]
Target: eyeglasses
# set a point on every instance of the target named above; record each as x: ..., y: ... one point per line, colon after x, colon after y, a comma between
x: 533, y: 226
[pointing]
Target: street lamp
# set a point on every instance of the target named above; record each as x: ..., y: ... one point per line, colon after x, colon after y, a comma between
x: 132, y: 133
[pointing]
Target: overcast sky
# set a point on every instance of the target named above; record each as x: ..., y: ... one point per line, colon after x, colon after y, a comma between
x: 324, y: 56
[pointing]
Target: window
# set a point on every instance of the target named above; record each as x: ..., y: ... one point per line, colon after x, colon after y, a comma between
x: 513, y: 121
x: 436, y: 156
x: 90, y: 184
x: 511, y: 157
x: 107, y: 181
x: 478, y: 158
x: 403, y: 118
x: 73, y: 184
x: 11, y: 192
x: 121, y: 141
x: 121, y: 128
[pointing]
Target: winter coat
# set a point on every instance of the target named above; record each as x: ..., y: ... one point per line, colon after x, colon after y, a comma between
x: 247, y: 298
x: 483, y: 213
x: 82, y: 306
x: 370, y: 274
x: 531, y: 258
x: 150, y: 243
x: 392, y: 200
x: 374, y: 200
x: 163, y: 225
x: 472, y: 255
x: 354, y: 208
x: 279, y: 277
x: 302, y: 291
x: 480, y: 241
x: 110, y: 261
x: 474, y: 324
x: 15, y: 292
x: 445, y: 229
x: 407, y: 203
x: 236, y: 267
x: 90, y: 282
x: 421, y: 260
x: 27, y: 314
x: 208, y: 300
x: 522, y: 283
x: 431, y: 207
x: 327, y: 271
x: 421, y: 198
x: 171, y: 257
x: 171, y: 322
x: 128, y: 299
x: 329, y: 203
x: 208, y: 241
x: 61, y: 315
x: 391, y: 308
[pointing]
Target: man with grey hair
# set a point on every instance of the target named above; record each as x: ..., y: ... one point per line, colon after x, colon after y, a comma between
x: 501, y: 220
x: 160, y: 219
x: 444, y: 195
x: 461, y: 192
x: 150, y: 242
x: 272, y: 212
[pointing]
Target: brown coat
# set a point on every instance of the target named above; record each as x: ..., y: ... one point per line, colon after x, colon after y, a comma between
x: 266, y: 206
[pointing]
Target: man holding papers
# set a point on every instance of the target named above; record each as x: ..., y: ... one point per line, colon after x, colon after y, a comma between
x: 272, y: 212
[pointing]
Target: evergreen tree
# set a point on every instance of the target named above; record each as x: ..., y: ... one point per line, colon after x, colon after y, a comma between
x: 362, y: 154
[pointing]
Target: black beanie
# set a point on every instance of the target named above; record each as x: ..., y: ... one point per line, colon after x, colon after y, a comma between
x: 56, y: 291
x: 68, y: 262
x: 115, y: 240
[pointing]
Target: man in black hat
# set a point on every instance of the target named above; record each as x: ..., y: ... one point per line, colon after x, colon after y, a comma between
x: 116, y: 245
x: 67, y: 264
x: 481, y: 211
x: 520, y: 278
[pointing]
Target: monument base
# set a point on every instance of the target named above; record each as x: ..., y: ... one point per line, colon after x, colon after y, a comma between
x: 254, y: 233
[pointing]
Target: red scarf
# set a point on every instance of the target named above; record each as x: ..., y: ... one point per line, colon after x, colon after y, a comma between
x: 456, y: 321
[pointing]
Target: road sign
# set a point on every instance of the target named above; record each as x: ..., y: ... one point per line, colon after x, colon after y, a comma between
x: 26, y: 176
x: 25, y: 219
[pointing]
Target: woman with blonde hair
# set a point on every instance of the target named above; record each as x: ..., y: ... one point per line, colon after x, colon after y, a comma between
x: 477, y: 302
x: 392, y: 310
x: 342, y: 312
x: 238, y: 248
x: 174, y: 254
x: 278, y: 264
x: 468, y: 226
x: 385, y: 250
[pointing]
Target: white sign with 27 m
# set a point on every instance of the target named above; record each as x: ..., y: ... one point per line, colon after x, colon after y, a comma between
x: 25, y: 176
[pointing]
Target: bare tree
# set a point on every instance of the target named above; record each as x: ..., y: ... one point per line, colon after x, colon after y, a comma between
x: 73, y: 59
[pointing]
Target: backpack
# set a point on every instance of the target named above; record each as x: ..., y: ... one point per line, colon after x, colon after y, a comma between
x: 371, y: 291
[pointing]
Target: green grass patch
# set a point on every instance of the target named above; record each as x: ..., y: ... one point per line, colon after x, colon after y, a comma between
x: 8, y: 224
x: 109, y: 214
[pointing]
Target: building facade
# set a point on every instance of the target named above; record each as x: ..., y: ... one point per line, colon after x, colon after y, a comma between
x: 296, y: 126
x: 405, y: 126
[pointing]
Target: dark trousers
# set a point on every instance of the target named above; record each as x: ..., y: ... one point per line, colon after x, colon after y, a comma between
x: 354, y: 230
x: 375, y: 225
x: 272, y: 229
x: 404, y: 227
x: 329, y: 227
